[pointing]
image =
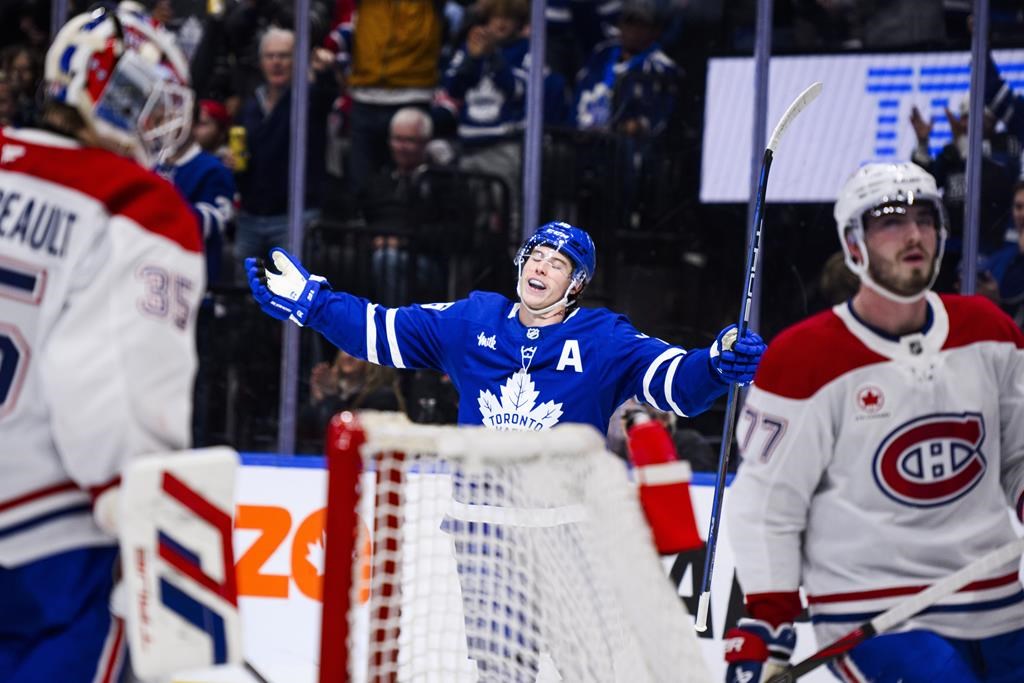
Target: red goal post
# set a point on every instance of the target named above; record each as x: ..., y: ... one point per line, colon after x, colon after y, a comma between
x: 464, y: 554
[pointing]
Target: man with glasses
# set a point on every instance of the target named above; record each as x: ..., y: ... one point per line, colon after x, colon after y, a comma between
x: 263, y: 187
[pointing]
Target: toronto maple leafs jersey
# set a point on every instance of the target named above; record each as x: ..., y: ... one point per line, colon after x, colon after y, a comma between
x: 610, y: 90
x: 874, y: 466
x: 209, y: 187
x: 492, y: 90
x: 514, y: 377
x: 101, y: 271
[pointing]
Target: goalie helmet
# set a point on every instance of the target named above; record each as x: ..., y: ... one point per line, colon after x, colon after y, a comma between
x: 569, y: 240
x: 126, y: 79
x: 878, y: 189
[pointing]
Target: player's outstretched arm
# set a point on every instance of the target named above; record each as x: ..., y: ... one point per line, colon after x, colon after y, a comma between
x: 406, y: 337
x: 736, y: 360
x: 283, y: 288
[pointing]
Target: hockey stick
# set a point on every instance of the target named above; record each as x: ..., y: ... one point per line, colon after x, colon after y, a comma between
x: 942, y: 588
x: 805, y: 98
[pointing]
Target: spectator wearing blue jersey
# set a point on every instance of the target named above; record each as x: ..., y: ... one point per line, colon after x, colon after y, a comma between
x: 574, y: 28
x: 625, y: 96
x: 629, y: 85
x: 484, y: 89
x: 209, y: 187
x: 525, y: 365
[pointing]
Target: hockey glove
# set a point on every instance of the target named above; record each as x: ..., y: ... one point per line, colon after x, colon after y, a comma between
x: 755, y: 651
x: 286, y: 294
x: 735, y: 360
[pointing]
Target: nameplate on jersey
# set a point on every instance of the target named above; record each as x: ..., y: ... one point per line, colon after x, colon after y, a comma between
x: 34, y: 222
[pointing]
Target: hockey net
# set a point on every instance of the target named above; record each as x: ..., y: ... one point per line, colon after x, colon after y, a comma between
x: 465, y: 554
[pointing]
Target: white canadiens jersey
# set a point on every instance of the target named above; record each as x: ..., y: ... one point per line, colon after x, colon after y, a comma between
x: 513, y: 377
x: 101, y: 272
x: 874, y: 466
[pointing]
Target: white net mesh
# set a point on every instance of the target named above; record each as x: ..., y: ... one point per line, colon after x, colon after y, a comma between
x: 508, y: 557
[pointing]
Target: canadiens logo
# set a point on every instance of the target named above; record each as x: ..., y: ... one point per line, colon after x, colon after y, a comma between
x: 932, y: 460
x: 870, y: 399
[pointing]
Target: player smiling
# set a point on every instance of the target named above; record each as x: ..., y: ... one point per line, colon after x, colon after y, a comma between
x: 518, y: 365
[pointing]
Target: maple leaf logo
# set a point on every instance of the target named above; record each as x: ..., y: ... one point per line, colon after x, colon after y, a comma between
x: 594, y: 107
x: 315, y: 554
x: 517, y: 409
x: 484, y: 102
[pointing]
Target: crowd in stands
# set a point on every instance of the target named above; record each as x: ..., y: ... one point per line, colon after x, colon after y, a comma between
x: 414, y: 143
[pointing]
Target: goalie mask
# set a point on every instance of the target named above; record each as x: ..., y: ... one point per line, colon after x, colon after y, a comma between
x: 877, y: 190
x: 126, y: 79
x: 566, y: 239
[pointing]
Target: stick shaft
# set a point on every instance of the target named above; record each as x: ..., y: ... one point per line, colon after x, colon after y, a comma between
x: 753, y: 250
x: 729, y: 427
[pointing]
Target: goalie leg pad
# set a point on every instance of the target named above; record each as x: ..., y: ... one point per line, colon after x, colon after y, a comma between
x: 178, y: 563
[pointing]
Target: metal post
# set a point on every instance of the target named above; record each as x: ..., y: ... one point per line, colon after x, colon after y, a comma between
x: 58, y: 15
x: 762, y: 60
x: 296, y: 207
x: 534, y: 120
x: 975, y: 133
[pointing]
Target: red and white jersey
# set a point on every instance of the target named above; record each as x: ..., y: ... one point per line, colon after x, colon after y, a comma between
x: 101, y: 272
x: 875, y: 465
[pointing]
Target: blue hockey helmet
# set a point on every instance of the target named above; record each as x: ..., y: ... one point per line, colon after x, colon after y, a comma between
x: 568, y: 239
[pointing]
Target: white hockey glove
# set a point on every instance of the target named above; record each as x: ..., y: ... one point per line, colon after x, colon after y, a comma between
x: 287, y: 291
x: 735, y: 360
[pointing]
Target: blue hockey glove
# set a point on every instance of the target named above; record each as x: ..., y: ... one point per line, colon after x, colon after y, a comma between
x: 286, y: 294
x: 735, y: 360
x: 755, y: 651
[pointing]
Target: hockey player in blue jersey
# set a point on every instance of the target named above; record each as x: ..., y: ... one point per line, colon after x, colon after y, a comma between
x: 525, y: 365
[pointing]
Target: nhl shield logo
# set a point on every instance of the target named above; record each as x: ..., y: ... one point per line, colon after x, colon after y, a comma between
x: 932, y: 460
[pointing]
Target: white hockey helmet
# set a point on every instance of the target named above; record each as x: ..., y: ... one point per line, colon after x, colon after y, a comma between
x: 880, y: 188
x: 127, y: 80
